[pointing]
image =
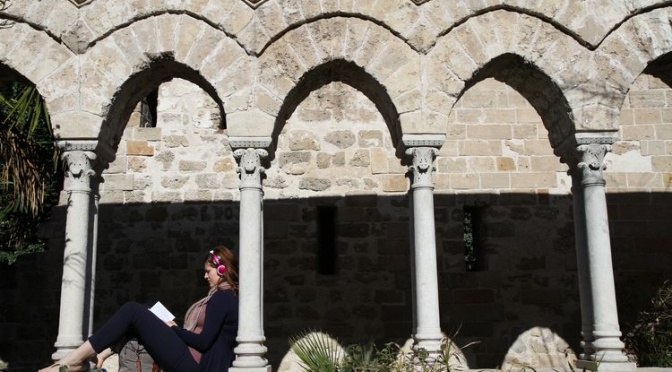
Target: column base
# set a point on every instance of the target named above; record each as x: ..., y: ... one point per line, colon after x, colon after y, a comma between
x: 250, y: 369
x: 64, y: 347
x: 591, y: 365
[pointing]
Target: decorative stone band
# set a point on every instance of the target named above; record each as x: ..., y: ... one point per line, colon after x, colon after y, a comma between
x: 250, y: 142
x: 102, y: 149
x: 254, y: 4
x: 80, y: 3
x: 423, y: 140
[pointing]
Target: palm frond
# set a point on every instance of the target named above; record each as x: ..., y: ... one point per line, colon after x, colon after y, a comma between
x: 23, y: 131
x: 317, y: 352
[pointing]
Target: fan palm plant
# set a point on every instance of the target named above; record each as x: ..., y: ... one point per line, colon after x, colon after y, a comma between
x: 317, y: 351
x: 28, y: 160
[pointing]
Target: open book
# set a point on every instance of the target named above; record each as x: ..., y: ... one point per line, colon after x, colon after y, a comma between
x: 160, y: 311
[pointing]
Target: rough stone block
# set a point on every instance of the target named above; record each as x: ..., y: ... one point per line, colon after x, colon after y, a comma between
x: 394, y: 183
x: 495, y: 180
x: 192, y: 165
x: 146, y: 134
x: 533, y: 180
x: 379, y: 161
x: 139, y: 148
x: 118, y: 182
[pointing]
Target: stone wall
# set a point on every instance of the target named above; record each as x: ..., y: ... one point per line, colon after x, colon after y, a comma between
x: 336, y: 83
x: 335, y: 151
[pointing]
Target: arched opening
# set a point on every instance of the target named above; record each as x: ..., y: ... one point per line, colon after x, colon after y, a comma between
x: 638, y: 188
x: 142, y: 86
x: 337, y: 191
x: 503, y: 210
x: 537, y: 88
x: 350, y: 74
x: 30, y: 172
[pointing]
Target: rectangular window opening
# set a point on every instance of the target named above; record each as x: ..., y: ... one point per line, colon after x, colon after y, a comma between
x: 473, y: 239
x: 326, y: 240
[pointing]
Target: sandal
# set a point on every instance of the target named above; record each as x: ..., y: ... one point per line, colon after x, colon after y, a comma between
x: 65, y: 368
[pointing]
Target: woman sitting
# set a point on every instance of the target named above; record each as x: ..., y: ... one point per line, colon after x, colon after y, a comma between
x: 205, y: 343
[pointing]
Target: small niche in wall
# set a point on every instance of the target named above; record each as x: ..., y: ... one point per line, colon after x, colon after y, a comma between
x: 473, y: 238
x: 326, y: 240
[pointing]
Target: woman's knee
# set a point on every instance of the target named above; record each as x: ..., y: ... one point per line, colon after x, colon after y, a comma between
x: 131, y: 307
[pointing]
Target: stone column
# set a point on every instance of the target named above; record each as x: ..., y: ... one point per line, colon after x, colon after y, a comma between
x: 250, y: 351
x: 427, y: 332
x: 78, y: 159
x: 93, y: 247
x: 585, y: 293
x: 606, y: 351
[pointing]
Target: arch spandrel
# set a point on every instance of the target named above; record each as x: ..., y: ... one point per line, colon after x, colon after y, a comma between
x: 46, y: 63
x: 33, y: 53
x: 103, y: 18
x: 619, y: 60
x: 52, y: 17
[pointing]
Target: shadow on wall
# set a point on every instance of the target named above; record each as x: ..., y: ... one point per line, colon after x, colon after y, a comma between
x: 360, y: 291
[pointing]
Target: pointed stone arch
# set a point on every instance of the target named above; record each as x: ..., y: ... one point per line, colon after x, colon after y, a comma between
x: 140, y: 85
x: 537, y: 88
x: 350, y: 74
x: 117, y: 70
x: 38, y: 58
x: 351, y: 50
x: 462, y: 55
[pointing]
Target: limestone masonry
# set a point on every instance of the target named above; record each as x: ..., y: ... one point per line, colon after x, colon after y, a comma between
x: 494, y: 171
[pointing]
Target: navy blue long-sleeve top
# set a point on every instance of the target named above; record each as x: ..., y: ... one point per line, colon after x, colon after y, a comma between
x: 218, y: 337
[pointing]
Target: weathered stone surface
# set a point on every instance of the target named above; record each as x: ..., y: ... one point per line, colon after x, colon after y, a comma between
x: 314, y: 184
x: 341, y: 139
x: 335, y: 84
x: 302, y: 141
x: 192, y: 165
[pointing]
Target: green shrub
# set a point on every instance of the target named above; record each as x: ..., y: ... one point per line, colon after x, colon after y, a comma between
x: 651, y: 337
x: 319, y: 352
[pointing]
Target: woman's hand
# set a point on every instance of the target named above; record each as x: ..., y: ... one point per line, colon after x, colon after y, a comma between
x: 171, y: 323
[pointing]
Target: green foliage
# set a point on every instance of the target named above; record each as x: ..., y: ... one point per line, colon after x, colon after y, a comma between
x: 370, y: 358
x: 29, y: 177
x: 320, y: 353
x: 316, y: 352
x: 651, y: 337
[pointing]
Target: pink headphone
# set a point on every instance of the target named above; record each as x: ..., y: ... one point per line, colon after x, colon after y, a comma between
x: 219, y: 267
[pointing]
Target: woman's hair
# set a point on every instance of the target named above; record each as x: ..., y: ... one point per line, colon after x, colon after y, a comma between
x: 229, y: 260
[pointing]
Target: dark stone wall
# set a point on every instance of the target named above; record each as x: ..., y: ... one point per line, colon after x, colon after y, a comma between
x: 527, y: 275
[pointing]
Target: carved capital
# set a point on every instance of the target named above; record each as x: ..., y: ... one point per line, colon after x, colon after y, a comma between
x: 422, y: 165
x: 79, y: 169
x: 590, y: 163
x: 249, y: 167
